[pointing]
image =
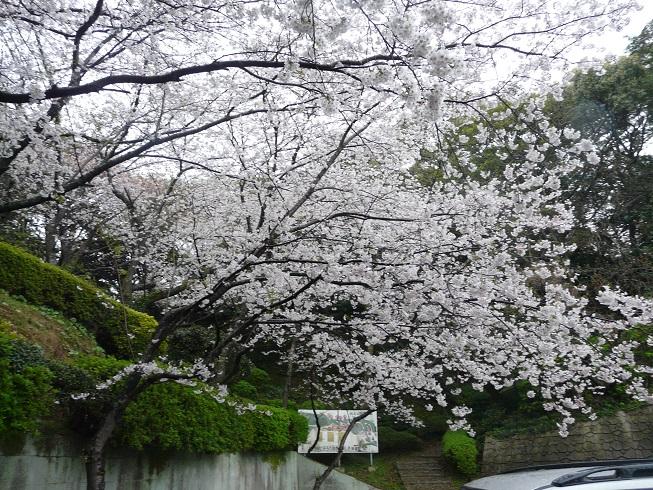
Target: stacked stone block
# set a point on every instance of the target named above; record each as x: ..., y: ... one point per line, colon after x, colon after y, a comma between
x: 622, y: 436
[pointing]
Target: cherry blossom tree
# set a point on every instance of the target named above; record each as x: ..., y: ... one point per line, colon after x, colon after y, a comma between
x: 254, y: 155
x: 443, y: 278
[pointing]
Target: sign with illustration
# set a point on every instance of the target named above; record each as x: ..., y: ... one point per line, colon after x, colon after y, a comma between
x: 363, y: 438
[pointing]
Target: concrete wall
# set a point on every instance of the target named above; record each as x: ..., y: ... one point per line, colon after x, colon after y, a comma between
x: 308, y: 470
x: 623, y: 436
x: 56, y: 463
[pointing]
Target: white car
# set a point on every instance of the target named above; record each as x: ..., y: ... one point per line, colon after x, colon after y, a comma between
x: 592, y: 475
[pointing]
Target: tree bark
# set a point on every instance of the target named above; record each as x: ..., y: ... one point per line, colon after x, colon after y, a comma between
x: 291, y: 360
x: 95, y: 457
x: 95, y: 451
x: 52, y: 233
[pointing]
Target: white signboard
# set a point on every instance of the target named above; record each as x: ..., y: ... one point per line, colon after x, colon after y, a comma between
x: 363, y: 438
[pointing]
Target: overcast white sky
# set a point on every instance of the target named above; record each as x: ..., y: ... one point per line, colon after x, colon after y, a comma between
x: 615, y: 43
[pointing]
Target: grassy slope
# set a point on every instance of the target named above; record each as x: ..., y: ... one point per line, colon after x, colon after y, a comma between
x: 384, y: 476
x: 59, y: 337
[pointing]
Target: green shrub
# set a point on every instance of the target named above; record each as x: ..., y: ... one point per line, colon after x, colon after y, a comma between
x: 460, y: 449
x: 298, y: 430
x: 99, y: 368
x: 173, y: 416
x: 24, y: 353
x: 118, y: 329
x: 244, y: 389
x: 391, y: 440
x: 271, y: 432
x: 190, y: 343
x: 25, y: 395
x: 259, y: 378
x: 69, y: 380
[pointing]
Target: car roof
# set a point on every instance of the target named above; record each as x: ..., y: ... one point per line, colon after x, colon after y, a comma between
x: 521, y: 480
x: 541, y: 477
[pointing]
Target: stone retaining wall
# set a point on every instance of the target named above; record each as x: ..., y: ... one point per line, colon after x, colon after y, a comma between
x: 622, y: 436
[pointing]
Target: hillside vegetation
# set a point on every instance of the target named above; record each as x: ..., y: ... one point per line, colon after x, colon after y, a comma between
x: 57, y: 334
x: 59, y: 337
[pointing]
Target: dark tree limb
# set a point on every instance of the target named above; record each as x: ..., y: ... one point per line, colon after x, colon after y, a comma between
x: 341, y: 447
x: 55, y: 92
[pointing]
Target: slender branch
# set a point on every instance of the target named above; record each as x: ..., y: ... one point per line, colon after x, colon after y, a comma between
x: 108, y: 164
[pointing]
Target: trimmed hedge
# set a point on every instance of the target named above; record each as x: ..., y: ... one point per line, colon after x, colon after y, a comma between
x: 460, y: 449
x: 120, y: 330
x: 173, y: 416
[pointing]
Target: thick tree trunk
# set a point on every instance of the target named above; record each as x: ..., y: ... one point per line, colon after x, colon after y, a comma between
x: 95, y: 452
x: 291, y: 360
x: 135, y: 384
x: 126, y: 282
x: 51, y: 233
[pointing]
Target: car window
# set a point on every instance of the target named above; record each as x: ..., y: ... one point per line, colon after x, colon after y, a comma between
x: 603, y: 475
x: 636, y: 484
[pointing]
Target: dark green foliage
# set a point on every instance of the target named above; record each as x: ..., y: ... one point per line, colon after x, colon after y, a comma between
x: 612, y: 199
x: 99, y: 368
x: 24, y: 354
x: 460, y: 449
x: 502, y: 426
x: 172, y: 416
x: 435, y: 421
x: 24, y: 398
x: 270, y: 432
x: 298, y: 430
x: 277, y: 402
x: 45, y: 284
x: 244, y: 389
x: 25, y: 393
x: 266, y: 387
x: 81, y: 376
x: 89, y: 370
x: 259, y: 378
x: 69, y: 380
x: 391, y: 440
x: 190, y: 343
x: 506, y: 411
